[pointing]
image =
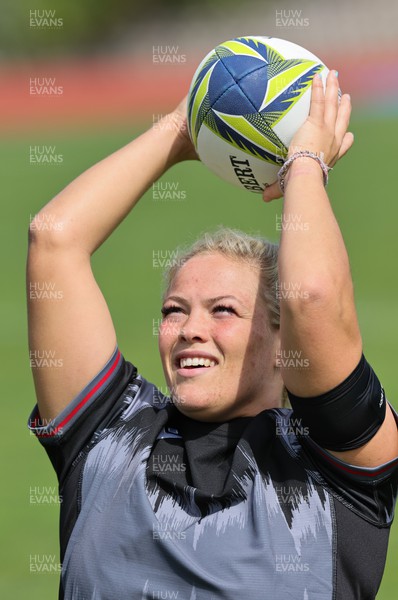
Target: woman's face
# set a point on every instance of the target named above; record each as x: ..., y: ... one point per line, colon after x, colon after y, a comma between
x: 217, y: 350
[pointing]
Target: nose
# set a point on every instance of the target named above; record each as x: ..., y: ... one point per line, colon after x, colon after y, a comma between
x: 194, y: 328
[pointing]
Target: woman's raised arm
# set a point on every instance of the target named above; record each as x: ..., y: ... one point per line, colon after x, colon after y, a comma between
x: 71, y: 338
x: 319, y: 325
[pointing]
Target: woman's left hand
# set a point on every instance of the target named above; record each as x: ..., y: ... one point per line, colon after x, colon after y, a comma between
x: 325, y: 130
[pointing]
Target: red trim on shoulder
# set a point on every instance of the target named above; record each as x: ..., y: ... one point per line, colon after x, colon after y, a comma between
x: 84, y: 400
x: 357, y: 470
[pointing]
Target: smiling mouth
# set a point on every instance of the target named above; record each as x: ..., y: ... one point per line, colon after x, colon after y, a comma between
x: 196, y: 363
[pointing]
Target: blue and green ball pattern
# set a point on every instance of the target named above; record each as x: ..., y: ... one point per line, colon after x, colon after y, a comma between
x: 243, y: 89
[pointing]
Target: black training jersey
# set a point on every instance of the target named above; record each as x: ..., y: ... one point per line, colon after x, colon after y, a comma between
x: 156, y: 505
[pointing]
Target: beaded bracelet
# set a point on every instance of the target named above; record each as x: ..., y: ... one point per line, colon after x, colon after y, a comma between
x: 283, y: 170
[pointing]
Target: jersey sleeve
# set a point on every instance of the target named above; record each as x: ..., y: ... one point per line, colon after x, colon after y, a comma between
x: 93, y: 408
x: 371, y: 492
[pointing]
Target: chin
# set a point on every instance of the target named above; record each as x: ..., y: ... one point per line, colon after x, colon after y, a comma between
x: 196, y: 405
x: 201, y: 413
x: 202, y: 409
x: 192, y: 402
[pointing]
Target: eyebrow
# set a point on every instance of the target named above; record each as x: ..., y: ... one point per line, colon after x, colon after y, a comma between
x: 209, y: 301
x: 225, y: 297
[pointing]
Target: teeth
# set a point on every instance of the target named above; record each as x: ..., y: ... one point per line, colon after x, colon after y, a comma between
x: 197, y: 361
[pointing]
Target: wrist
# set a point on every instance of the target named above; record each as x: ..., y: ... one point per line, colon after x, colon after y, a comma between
x: 303, y: 163
x: 166, y: 140
x: 304, y: 167
x: 175, y: 131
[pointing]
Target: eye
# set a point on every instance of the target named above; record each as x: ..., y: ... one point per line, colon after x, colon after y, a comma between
x: 222, y: 308
x: 168, y: 310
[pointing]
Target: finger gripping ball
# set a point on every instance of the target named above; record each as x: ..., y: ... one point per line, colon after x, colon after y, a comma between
x: 247, y: 99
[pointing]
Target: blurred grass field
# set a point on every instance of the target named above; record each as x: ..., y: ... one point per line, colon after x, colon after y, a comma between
x: 363, y: 193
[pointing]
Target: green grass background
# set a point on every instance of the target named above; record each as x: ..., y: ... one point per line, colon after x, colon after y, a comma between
x: 363, y: 192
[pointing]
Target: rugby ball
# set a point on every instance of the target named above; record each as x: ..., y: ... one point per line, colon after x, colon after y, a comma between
x: 247, y: 99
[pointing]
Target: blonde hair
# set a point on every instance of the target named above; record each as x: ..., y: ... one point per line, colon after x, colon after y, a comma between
x: 238, y: 245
